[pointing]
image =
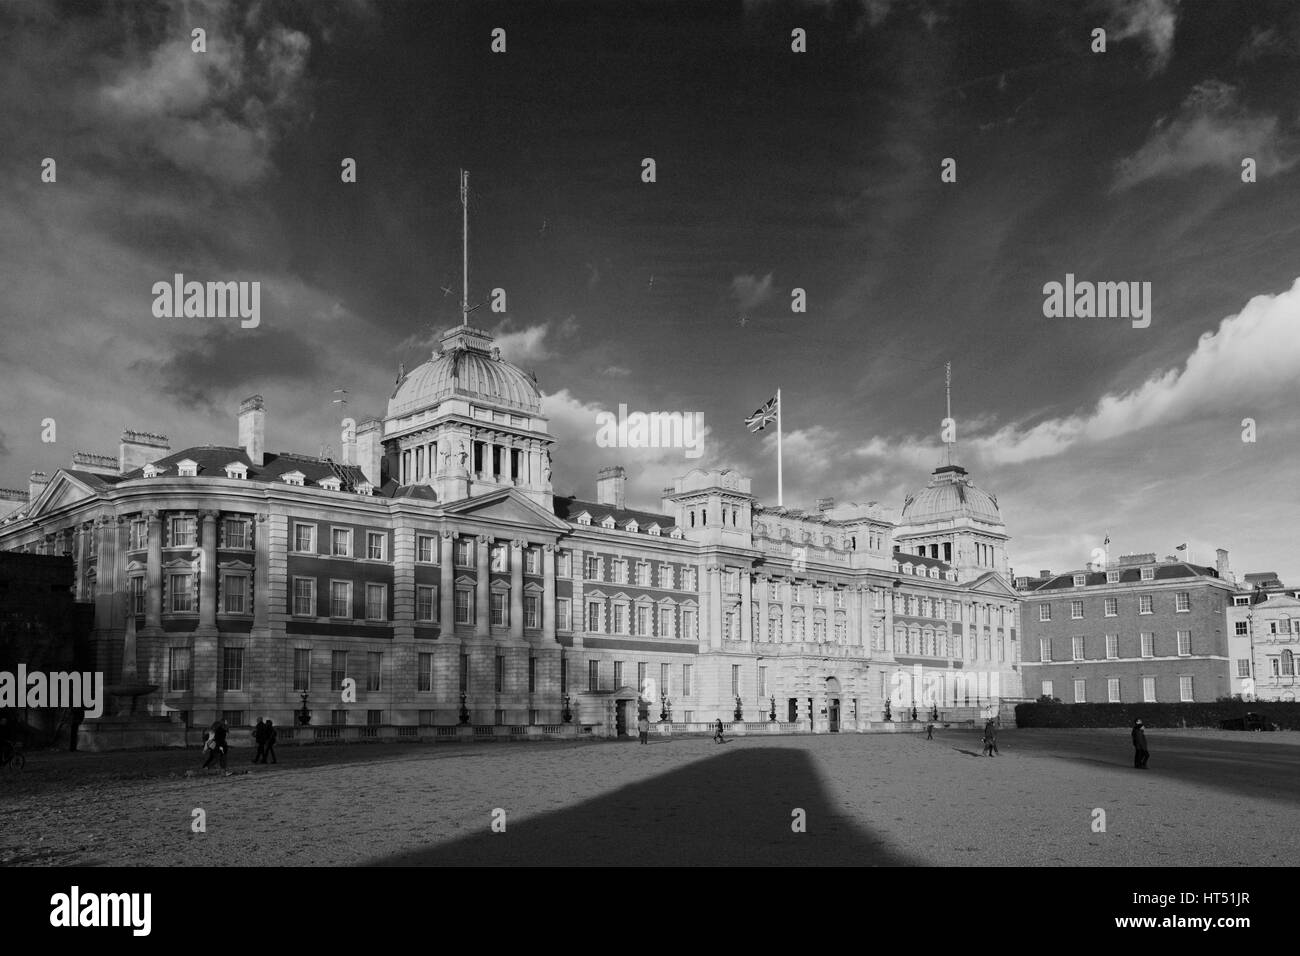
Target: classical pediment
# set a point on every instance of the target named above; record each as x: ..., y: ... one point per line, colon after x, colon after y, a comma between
x: 506, y: 506
x: 62, y: 492
x: 992, y: 582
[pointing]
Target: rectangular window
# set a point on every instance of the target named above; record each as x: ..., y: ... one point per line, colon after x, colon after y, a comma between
x: 1112, y: 690
x: 532, y: 611
x: 376, y: 545
x: 1243, y: 667
x: 1241, y: 628
x: 233, y: 718
x: 686, y: 680
x: 1076, y: 610
x: 663, y: 678
x: 304, y: 597
x: 1184, y: 643
x: 1144, y: 604
x: 1148, y: 644
x: 796, y: 593
x: 1182, y: 601
x: 618, y: 674
x: 1044, y: 612
x: 497, y: 605
x: 640, y: 677
x: 1080, y: 580
x: 532, y: 561
x: 1149, y: 690
x: 374, y: 718
x: 762, y: 682
x: 593, y: 675
x: 232, y: 668
x: 182, y: 593
x: 1080, y: 694
x: 464, y: 553
x: 1112, y: 646
x: 1044, y: 648
x: 1047, y: 688
x: 338, y: 669
x: 341, y: 542
x: 665, y: 576
x: 374, y: 669
x: 137, y: 595
x: 301, y: 669
x: 643, y: 621
x: 735, y: 680
x: 690, y: 579
x: 426, y: 602
x: 179, y: 668
x: 1185, y: 689
x: 462, y: 606
x: 593, y: 616
x: 500, y: 673
x: 1077, y: 648
x: 1112, y: 607
x: 139, y: 535
x: 234, y: 588
x: 591, y: 567
x: 338, y: 718
x: 620, y: 619
x: 235, y: 532
x: 564, y: 674
x: 304, y: 538
x: 424, y: 548
x: 424, y: 678
x: 341, y: 599
x: 563, y: 612
x: 1112, y: 577
x: 182, y: 532
x: 1148, y: 574
x: 564, y: 564
x: 464, y: 673
x: 689, y: 631
x: 532, y: 675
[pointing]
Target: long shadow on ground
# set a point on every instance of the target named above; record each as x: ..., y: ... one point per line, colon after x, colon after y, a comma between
x: 732, y: 809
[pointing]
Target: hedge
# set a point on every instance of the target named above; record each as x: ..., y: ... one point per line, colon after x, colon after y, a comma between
x: 1285, y: 714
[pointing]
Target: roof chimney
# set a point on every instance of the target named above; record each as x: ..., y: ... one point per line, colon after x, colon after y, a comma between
x: 139, y: 449
x: 1221, y: 564
x: 1046, y: 573
x: 36, y: 484
x: 609, y: 486
x: 95, y: 464
x: 252, y: 428
x: 825, y: 504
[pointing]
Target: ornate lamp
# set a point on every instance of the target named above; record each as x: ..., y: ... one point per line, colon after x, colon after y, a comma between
x: 464, y: 711
x: 304, y: 713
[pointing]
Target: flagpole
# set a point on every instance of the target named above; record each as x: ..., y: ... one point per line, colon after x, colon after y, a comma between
x: 780, y: 487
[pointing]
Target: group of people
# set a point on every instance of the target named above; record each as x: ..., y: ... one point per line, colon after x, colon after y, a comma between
x: 215, y: 745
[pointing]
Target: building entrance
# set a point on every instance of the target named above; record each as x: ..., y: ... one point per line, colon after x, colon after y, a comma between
x: 794, y: 710
x: 621, y: 710
x: 833, y: 708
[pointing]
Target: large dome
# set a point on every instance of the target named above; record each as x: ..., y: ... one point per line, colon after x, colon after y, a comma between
x: 466, y: 366
x: 949, y: 495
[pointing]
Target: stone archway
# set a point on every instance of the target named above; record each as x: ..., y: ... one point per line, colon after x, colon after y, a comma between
x: 833, y: 704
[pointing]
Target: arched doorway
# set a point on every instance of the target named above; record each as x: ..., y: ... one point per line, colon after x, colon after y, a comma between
x: 833, y: 704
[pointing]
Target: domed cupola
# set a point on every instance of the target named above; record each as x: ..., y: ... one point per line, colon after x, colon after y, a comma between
x: 953, y: 520
x: 467, y: 365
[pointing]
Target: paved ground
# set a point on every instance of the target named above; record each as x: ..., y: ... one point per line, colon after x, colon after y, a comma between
x: 867, y: 800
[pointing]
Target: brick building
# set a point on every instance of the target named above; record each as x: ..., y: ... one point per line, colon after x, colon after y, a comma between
x: 434, y: 566
x: 1140, y: 630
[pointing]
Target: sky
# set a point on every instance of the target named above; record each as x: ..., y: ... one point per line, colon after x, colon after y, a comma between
x: 775, y: 170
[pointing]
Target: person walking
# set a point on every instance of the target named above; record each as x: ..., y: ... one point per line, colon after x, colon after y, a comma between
x: 259, y: 738
x: 271, y: 737
x: 643, y: 727
x: 717, y: 731
x: 929, y: 731
x: 218, y: 751
x: 990, y: 738
x: 1140, y: 753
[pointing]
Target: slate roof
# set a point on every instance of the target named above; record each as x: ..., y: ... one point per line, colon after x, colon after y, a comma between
x: 212, y: 460
x: 570, y: 508
x: 1129, y: 575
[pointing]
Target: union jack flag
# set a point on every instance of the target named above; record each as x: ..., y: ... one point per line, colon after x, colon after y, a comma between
x: 762, y: 416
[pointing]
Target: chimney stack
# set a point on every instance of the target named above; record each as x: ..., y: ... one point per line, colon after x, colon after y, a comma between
x: 825, y: 504
x: 1221, y: 564
x: 139, y: 449
x: 36, y: 484
x: 1045, y: 574
x: 609, y: 486
x: 252, y: 429
x: 95, y: 464
x: 368, y: 450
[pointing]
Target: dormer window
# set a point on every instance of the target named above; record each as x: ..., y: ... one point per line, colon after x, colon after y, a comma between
x: 236, y: 470
x: 631, y: 525
x: 1148, y: 574
x: 653, y: 529
x: 934, y: 572
x: 584, y: 518
x: 1112, y: 577
x: 677, y: 533
x: 607, y: 522
x: 365, y: 488
x: 187, y: 468
x: 1080, y: 580
x: 331, y: 483
x: 153, y: 471
x: 293, y: 478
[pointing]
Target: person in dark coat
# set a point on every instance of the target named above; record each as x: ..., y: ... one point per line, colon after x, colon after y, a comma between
x: 259, y: 738
x: 717, y: 731
x: 929, y: 731
x: 271, y: 737
x: 990, y: 738
x: 218, y: 750
x: 1140, y: 754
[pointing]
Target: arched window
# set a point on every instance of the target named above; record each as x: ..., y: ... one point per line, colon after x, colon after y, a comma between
x: 1288, y: 664
x: 692, y: 519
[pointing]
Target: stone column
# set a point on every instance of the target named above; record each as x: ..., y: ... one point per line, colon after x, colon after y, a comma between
x: 787, y: 607
x: 262, y: 576
x: 762, y: 584
x: 853, y: 599
x: 482, y: 619
x: 153, y: 586
x: 516, y: 590
x: 713, y: 588
x: 208, y: 576
x: 507, y: 473
x: 746, y: 605
x: 446, y: 587
x: 548, y: 594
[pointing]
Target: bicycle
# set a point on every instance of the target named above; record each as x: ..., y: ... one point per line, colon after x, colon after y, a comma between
x: 11, y: 756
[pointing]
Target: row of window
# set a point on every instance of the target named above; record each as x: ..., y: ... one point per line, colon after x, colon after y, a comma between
x: 180, y: 594
x: 1113, y: 690
x: 181, y: 531
x: 646, y: 686
x: 1284, y: 626
x: 1281, y: 665
x: 1112, y: 577
x: 775, y: 589
x: 1078, y: 646
x: 1182, y: 605
x: 621, y: 572
x: 641, y: 620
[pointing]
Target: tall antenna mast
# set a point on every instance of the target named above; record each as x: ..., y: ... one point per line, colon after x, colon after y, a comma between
x: 464, y: 233
x: 947, y: 387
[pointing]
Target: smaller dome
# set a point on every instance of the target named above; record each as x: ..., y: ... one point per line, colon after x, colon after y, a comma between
x: 950, y: 494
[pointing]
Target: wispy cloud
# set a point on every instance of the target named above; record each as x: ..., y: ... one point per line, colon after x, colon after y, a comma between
x: 750, y: 291
x: 1153, y: 22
